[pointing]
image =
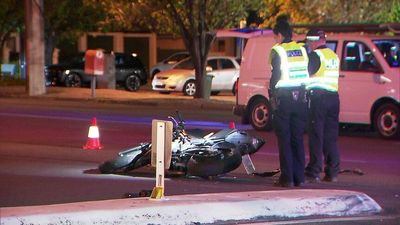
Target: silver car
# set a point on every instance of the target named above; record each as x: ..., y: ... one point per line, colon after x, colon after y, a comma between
x: 168, y: 63
x: 224, y: 69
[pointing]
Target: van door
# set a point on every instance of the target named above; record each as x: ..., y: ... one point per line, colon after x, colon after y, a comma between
x: 359, y: 85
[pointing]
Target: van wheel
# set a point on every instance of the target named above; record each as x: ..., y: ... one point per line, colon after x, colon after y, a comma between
x: 386, y: 121
x: 260, y: 115
x: 189, y: 88
x: 132, y: 82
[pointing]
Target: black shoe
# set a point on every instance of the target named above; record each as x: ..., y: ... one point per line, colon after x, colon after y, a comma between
x: 330, y: 179
x: 310, y: 179
x: 299, y: 184
x: 283, y: 184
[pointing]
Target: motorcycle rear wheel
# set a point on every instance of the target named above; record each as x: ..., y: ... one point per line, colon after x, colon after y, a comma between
x: 212, y: 165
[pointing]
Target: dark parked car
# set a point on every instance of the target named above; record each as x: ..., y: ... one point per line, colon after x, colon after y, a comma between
x: 129, y: 71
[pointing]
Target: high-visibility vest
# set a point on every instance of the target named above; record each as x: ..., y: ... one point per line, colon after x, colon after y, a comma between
x: 294, y: 64
x: 327, y: 76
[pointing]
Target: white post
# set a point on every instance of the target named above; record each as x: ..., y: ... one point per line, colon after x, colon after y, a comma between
x: 161, y: 139
x: 160, y: 155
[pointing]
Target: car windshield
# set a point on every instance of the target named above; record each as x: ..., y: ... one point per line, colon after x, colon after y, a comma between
x: 74, y: 59
x: 176, y: 58
x: 239, y: 60
x: 390, y: 49
x: 186, y: 64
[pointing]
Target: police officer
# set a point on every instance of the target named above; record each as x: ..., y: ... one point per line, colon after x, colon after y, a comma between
x: 289, y: 63
x: 324, y: 108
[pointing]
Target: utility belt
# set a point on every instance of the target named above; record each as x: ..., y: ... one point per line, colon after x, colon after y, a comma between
x: 295, y: 93
x: 321, y: 92
x: 321, y: 95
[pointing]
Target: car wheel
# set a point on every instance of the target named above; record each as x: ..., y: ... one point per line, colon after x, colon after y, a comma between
x: 189, y: 88
x: 132, y: 82
x: 73, y: 80
x: 260, y: 114
x: 386, y: 121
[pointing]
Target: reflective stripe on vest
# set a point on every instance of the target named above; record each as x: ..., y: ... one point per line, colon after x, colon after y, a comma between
x: 294, y: 62
x: 328, y: 73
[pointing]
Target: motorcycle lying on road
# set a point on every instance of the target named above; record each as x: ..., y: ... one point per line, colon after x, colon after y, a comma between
x: 193, y: 154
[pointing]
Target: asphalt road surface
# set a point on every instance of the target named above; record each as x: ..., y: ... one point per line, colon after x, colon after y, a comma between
x: 42, y: 160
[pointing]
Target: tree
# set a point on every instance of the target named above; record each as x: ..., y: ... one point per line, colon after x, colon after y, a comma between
x: 190, y: 16
x: 391, y: 14
x: 195, y: 20
x: 11, y: 20
x: 330, y: 11
x: 66, y: 20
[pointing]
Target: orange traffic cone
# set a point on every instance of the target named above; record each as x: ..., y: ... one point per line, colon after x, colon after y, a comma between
x: 232, y: 125
x: 93, y: 141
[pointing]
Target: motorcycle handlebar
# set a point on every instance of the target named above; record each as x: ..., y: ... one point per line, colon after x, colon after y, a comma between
x: 179, y: 124
x: 179, y: 128
x: 173, y: 119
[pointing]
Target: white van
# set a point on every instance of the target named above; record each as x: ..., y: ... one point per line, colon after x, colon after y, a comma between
x: 369, y: 83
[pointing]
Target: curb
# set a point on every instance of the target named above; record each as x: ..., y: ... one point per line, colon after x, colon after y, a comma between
x: 142, y: 98
x: 199, y: 209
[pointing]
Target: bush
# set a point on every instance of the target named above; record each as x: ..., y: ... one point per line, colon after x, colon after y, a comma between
x: 7, y: 80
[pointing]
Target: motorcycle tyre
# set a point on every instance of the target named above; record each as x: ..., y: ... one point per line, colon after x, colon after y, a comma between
x: 115, y: 165
x: 127, y: 161
x: 140, y: 161
x: 213, y: 165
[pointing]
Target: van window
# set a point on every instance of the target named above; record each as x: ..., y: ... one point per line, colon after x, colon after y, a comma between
x: 357, y: 56
x: 390, y: 49
x: 332, y: 45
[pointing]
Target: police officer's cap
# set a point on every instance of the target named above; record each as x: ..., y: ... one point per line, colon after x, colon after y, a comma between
x: 315, y: 34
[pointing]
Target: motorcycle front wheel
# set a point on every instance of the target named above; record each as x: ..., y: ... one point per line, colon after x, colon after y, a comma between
x: 128, y: 160
x: 115, y: 165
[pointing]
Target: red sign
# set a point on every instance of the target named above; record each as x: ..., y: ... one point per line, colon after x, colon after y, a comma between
x: 94, y: 62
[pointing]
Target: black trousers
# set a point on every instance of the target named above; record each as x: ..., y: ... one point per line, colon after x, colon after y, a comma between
x: 289, y: 125
x: 323, y: 133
